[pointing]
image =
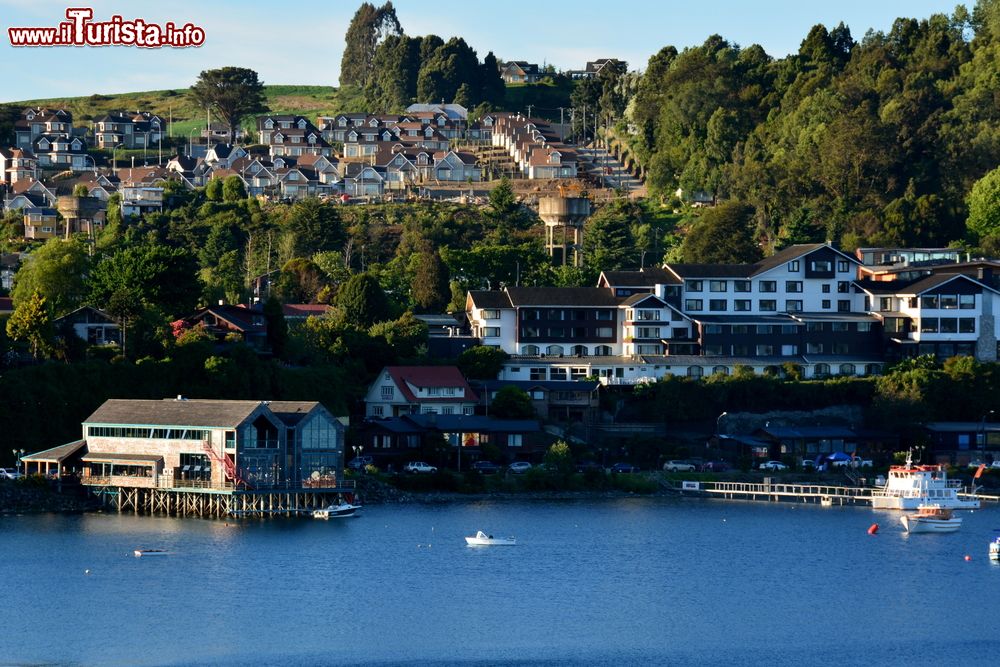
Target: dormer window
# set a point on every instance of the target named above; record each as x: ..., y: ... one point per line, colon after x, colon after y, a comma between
x: 268, y: 123
x: 342, y: 122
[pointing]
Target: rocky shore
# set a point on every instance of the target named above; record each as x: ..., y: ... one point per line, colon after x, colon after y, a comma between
x: 28, y: 497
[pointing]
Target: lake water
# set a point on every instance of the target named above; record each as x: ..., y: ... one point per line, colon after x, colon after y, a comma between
x: 629, y: 581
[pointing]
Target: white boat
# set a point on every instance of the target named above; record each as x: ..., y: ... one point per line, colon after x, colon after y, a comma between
x: 931, y: 519
x: 481, y: 539
x: 995, y: 549
x: 339, y: 511
x: 910, y: 486
x: 139, y: 553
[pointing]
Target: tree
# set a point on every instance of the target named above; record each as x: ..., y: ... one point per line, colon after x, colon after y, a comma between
x: 125, y: 306
x: 607, y: 239
x: 511, y: 403
x: 369, y: 26
x: 277, y: 327
x: 559, y: 458
x: 160, y: 276
x: 80, y: 190
x: 493, y: 89
x: 481, y: 362
x: 32, y: 323
x: 984, y: 206
x: 429, y: 287
x: 233, y: 189
x: 362, y: 301
x: 57, y: 272
x: 232, y: 92
x: 213, y: 189
x: 722, y: 235
x: 314, y: 227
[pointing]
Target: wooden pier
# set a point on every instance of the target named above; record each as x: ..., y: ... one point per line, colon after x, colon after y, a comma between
x: 220, y: 503
x: 801, y: 493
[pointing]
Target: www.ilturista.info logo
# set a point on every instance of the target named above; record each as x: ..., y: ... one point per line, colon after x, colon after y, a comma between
x: 80, y: 30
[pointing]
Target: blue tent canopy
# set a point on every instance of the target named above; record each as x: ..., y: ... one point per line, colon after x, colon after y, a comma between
x: 838, y: 456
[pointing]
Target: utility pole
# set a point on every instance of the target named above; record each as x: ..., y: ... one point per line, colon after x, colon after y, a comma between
x: 529, y: 110
x: 572, y: 123
x: 584, y: 124
x: 561, y: 136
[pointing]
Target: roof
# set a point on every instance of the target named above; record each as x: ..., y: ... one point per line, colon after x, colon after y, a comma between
x: 430, y: 376
x: 474, y: 423
x: 809, y: 431
x: 115, y: 457
x: 712, y: 270
x: 562, y: 296
x: 490, y: 299
x: 292, y: 412
x: 173, y: 412
x: 916, y: 286
x: 962, y: 427
x: 56, y: 454
x: 304, y: 309
x: 645, y: 278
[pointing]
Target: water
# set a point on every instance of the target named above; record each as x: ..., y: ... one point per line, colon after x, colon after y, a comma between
x: 631, y: 581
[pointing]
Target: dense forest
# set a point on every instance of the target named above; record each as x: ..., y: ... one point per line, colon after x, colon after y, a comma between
x: 876, y: 141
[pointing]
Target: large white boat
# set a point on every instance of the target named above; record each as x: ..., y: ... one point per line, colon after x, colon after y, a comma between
x: 910, y: 486
x: 481, y: 539
x: 340, y: 511
x: 931, y: 519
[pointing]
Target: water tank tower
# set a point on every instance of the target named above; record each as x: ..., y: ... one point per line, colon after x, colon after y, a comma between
x: 564, y: 218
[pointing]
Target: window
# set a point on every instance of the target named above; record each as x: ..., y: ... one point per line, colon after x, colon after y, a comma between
x: 536, y: 373
x: 789, y: 350
x: 554, y: 349
x: 841, y: 348
x: 864, y: 327
x: 695, y: 371
x: 842, y: 266
x: 556, y: 332
x: 647, y: 315
x: 713, y: 328
x: 720, y: 370
x: 789, y: 329
x: 768, y: 305
x: 491, y: 332
x: 949, y: 325
x: 741, y: 285
x: 840, y: 326
x: 966, y: 325
x: 741, y: 328
x: 793, y: 306
x: 765, y: 350
x: 554, y: 314
x: 713, y: 350
x: 826, y: 288
x: 716, y: 285
x: 647, y: 332
x: 388, y: 392
x: 604, y: 332
x: 578, y: 314
x: 693, y: 285
x: 793, y: 285
x: 531, y: 332
x: 825, y: 304
x: 930, y: 301
x: 768, y: 285
x: 765, y: 329
x: 514, y: 439
x: 693, y: 304
x: 843, y: 305
x: 814, y: 348
x: 578, y: 350
x: 742, y: 305
x: 929, y: 325
x: 814, y: 326
x: 741, y: 350
x: 718, y: 305
x: 531, y: 315
x: 843, y: 287
x: 530, y: 349
x: 885, y: 304
x: 793, y: 266
x: 949, y: 301
x: 966, y: 301
x: 847, y: 369
x: 603, y: 351
x: 605, y: 315
x: 491, y: 314
x: 822, y: 266
x: 559, y: 374
x: 647, y: 349
x: 821, y: 369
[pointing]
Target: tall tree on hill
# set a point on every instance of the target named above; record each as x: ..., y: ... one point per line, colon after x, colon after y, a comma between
x: 723, y: 235
x: 493, y: 89
x: 447, y: 68
x: 370, y: 26
x: 231, y: 92
x: 392, y: 84
x: 362, y: 301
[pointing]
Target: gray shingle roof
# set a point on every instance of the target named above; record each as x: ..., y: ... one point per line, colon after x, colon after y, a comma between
x: 563, y: 296
x: 292, y: 412
x: 172, y: 412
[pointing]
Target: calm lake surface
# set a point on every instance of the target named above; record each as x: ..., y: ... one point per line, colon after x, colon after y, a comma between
x: 630, y: 581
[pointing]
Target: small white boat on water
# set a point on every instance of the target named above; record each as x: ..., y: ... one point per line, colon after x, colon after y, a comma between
x: 481, y: 539
x: 339, y: 511
x: 140, y: 553
x: 995, y: 549
x: 931, y: 519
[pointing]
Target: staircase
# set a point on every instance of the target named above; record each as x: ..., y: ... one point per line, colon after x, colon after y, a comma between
x: 605, y: 168
x: 232, y: 472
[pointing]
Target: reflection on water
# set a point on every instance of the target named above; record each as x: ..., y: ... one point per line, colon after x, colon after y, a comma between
x: 618, y: 581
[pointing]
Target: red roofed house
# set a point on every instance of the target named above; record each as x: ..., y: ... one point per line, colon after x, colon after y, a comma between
x: 404, y: 390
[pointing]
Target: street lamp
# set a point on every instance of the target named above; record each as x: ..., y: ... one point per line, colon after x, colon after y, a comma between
x: 357, y: 454
x: 114, y: 163
x: 88, y: 156
x: 190, y: 140
x: 18, y: 455
x: 718, y: 422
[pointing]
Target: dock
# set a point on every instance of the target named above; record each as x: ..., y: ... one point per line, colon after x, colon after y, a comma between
x: 827, y: 494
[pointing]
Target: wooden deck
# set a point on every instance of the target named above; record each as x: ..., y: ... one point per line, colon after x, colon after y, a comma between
x: 801, y: 493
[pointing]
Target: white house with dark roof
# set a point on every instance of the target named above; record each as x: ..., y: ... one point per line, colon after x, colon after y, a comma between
x: 404, y: 390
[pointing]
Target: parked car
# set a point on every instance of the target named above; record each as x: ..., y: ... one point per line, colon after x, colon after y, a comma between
x: 486, y: 467
x: 624, y: 468
x: 773, y: 465
x: 419, y: 467
x: 993, y: 466
x: 588, y: 466
x: 9, y: 473
x: 678, y: 466
x: 360, y: 462
x: 807, y: 464
x: 862, y: 463
x: 714, y: 466
x: 518, y: 467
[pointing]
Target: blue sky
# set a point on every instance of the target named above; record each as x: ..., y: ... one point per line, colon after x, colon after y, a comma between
x: 301, y: 42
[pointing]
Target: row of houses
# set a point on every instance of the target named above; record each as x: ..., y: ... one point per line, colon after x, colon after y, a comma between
x: 809, y: 306
x: 534, y: 146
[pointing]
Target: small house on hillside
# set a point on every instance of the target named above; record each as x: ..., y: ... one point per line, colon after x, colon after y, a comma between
x: 404, y: 390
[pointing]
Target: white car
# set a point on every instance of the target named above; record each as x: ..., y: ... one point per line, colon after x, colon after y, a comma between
x: 678, y: 466
x: 773, y: 465
x: 9, y: 473
x: 419, y: 467
x: 518, y: 467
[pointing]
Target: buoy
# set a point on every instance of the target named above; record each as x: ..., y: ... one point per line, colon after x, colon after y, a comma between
x: 873, y: 529
x: 968, y: 557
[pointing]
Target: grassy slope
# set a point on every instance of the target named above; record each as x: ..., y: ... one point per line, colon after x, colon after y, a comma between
x: 310, y: 101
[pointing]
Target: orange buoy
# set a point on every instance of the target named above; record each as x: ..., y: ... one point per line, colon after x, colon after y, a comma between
x: 968, y: 557
x: 872, y: 529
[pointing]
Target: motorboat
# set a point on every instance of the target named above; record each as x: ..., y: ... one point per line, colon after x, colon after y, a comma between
x: 481, y: 539
x: 995, y: 549
x: 339, y: 511
x: 140, y: 553
x: 910, y: 486
x: 931, y: 519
